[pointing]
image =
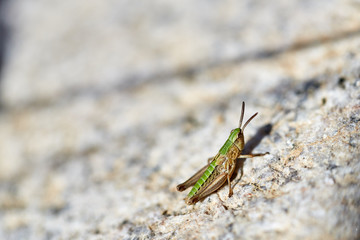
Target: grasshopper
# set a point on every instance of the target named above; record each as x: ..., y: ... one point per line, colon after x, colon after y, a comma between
x: 219, y: 168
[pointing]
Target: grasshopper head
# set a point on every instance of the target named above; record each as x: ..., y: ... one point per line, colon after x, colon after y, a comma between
x: 237, y: 137
x: 235, y: 134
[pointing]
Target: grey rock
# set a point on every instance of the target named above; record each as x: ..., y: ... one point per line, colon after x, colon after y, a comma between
x: 107, y: 106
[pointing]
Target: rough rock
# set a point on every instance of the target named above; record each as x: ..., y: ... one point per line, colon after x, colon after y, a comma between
x: 107, y: 106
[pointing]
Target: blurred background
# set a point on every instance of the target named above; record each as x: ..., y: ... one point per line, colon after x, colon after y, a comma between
x: 106, y: 105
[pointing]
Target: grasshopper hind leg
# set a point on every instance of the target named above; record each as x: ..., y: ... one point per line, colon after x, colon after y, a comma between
x: 230, y: 166
x: 215, y: 185
x: 230, y: 189
x: 194, y: 178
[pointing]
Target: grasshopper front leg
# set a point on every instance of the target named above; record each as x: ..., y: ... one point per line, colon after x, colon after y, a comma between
x: 194, y: 178
x: 230, y: 166
x: 253, y: 155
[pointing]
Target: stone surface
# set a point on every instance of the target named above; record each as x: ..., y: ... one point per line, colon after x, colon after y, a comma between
x: 107, y: 106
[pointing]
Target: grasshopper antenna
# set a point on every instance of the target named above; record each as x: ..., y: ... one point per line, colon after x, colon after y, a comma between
x: 249, y: 121
x: 242, y: 114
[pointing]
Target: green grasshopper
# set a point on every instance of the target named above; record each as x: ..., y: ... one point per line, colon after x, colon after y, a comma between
x: 219, y: 168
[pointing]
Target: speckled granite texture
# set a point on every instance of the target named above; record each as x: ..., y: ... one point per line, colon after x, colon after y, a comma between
x: 107, y: 105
